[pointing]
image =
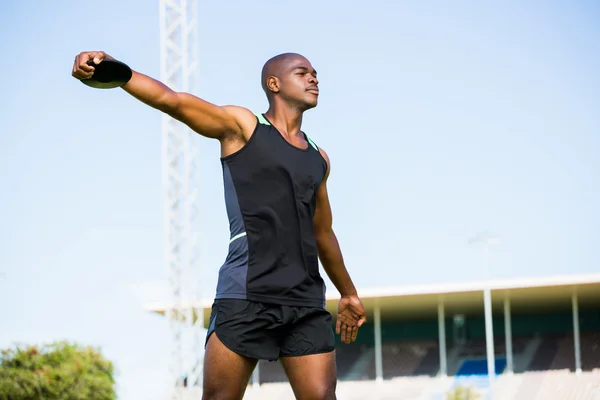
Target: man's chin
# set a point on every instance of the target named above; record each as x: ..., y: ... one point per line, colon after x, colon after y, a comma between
x: 310, y: 105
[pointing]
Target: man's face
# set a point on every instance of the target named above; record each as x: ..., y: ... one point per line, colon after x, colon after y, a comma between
x: 299, y: 83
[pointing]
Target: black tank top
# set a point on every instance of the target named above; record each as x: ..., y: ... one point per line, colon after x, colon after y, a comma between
x: 270, y: 196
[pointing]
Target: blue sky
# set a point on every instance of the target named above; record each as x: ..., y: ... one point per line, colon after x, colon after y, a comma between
x: 440, y: 121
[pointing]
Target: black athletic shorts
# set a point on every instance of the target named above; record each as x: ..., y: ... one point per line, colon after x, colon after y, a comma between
x: 269, y: 331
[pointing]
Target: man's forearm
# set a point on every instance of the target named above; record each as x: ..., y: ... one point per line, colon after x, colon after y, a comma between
x: 151, y: 92
x: 333, y: 263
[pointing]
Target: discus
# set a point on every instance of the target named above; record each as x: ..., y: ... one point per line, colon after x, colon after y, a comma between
x: 109, y: 74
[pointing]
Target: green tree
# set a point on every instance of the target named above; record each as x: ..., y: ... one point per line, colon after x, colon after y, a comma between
x: 55, y: 371
x: 462, y: 393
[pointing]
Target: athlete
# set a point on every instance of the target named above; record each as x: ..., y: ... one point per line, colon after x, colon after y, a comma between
x: 270, y: 297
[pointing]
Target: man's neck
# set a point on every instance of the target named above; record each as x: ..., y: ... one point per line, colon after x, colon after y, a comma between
x: 287, y: 120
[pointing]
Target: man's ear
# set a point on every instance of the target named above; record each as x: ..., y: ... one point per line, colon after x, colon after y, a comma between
x: 273, y: 84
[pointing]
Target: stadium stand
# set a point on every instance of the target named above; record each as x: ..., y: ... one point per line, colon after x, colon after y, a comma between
x: 590, y: 351
x: 544, y: 356
x: 430, y: 364
x: 404, y: 358
x: 542, y: 336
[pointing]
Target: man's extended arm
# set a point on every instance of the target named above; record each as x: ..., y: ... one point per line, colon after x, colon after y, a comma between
x: 351, y: 313
x: 203, y: 117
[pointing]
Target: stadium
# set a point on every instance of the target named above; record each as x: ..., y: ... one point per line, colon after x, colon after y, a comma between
x: 539, y: 338
x: 441, y: 119
x: 421, y: 342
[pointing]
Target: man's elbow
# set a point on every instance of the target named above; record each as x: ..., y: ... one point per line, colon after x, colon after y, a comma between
x: 170, y: 103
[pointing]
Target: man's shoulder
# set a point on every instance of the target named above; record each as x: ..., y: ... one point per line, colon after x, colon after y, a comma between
x: 245, y: 118
x: 240, y: 112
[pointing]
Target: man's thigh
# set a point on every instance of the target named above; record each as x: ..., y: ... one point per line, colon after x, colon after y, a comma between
x: 308, y: 355
x: 226, y: 373
x: 312, y: 377
x: 239, y: 334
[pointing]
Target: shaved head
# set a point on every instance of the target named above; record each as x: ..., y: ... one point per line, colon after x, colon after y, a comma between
x: 289, y: 77
x: 276, y: 66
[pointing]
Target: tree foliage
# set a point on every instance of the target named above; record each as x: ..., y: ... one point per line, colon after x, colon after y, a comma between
x: 55, y: 371
x: 462, y: 393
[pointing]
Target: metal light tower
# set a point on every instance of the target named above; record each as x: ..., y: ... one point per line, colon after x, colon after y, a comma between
x: 487, y: 240
x: 180, y: 152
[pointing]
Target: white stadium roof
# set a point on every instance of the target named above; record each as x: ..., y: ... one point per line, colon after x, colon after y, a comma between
x: 534, y: 294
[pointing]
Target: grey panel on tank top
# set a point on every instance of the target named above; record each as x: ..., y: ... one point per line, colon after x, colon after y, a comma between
x: 233, y: 273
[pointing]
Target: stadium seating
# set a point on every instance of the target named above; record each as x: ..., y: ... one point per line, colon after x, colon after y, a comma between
x: 403, y: 358
x: 477, y: 347
x: 590, y: 351
x: 408, y: 365
x: 565, y: 354
x: 347, y: 357
x: 430, y: 364
x: 545, y: 354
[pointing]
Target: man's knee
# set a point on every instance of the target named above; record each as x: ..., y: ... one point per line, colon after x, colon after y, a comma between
x: 324, y: 391
x: 215, y: 391
x: 223, y: 387
x: 211, y: 390
x: 214, y: 395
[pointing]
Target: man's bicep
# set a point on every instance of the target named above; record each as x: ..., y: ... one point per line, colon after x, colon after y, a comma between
x: 209, y: 119
x: 323, y: 216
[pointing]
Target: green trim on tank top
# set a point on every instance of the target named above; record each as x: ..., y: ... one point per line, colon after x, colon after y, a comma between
x: 236, y: 237
x: 262, y: 119
x: 311, y: 142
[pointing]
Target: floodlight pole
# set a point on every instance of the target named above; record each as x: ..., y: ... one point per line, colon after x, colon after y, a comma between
x: 180, y: 157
